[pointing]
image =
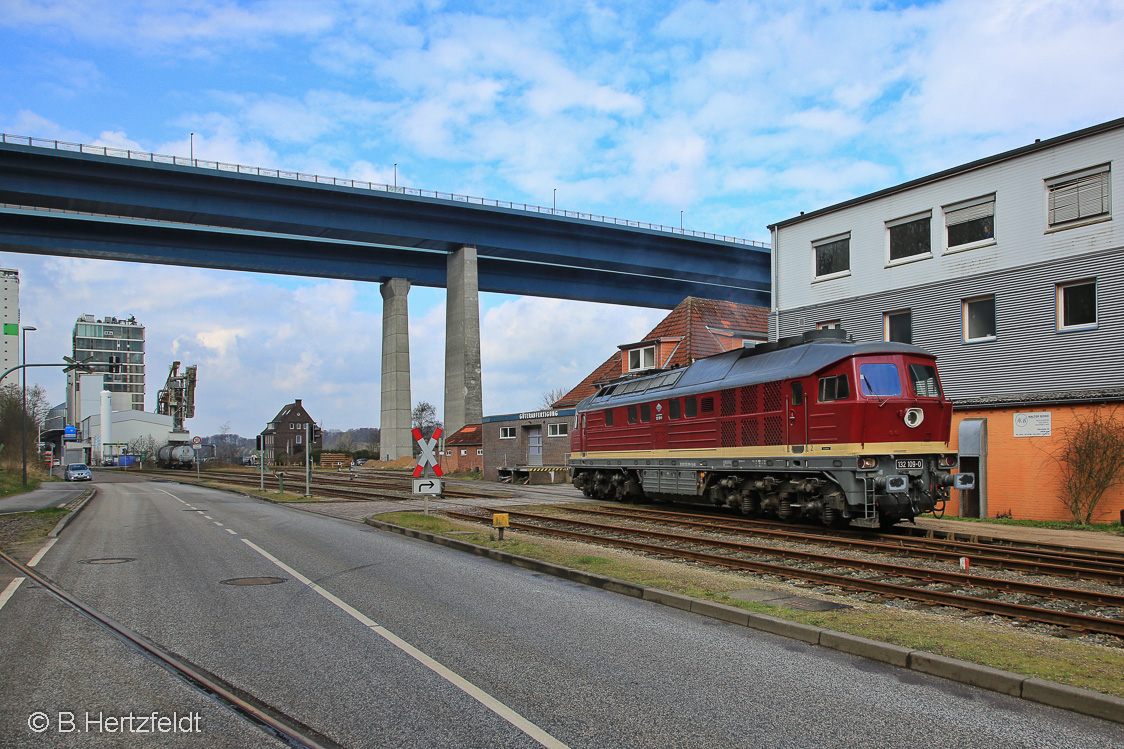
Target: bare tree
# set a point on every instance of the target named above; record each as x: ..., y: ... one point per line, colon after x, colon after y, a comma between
x: 14, y: 420
x: 1091, y: 459
x: 550, y: 397
x: 424, y: 417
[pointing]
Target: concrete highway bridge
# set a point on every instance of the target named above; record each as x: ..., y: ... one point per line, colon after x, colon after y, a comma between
x: 97, y: 202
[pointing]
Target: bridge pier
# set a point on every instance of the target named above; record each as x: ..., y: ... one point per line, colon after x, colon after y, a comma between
x: 394, y: 429
x: 463, y: 396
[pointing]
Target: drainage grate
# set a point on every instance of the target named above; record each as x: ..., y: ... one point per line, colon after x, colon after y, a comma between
x: 108, y: 560
x: 254, y: 581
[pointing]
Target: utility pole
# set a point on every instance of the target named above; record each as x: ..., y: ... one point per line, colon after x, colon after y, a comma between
x: 307, y: 460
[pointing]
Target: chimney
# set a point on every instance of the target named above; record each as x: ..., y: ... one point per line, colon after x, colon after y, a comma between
x: 298, y: 402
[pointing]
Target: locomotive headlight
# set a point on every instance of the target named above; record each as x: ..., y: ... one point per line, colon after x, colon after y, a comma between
x: 947, y: 461
x: 868, y: 462
x: 913, y: 418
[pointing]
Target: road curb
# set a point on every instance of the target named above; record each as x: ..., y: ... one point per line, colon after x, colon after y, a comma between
x: 1041, y: 691
x: 65, y: 520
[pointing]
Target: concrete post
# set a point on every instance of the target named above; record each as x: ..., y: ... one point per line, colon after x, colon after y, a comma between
x: 394, y: 430
x: 106, y: 426
x: 463, y: 397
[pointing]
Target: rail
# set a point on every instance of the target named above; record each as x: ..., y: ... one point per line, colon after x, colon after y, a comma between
x: 219, y: 166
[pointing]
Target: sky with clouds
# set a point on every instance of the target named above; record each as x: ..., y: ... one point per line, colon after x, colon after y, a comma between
x: 738, y: 114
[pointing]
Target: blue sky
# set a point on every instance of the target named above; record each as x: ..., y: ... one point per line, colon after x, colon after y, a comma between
x: 738, y: 114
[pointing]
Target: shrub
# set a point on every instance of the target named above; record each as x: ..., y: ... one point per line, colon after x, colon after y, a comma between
x: 1091, y: 458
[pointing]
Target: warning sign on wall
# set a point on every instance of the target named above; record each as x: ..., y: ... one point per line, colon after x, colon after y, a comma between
x: 1036, y: 424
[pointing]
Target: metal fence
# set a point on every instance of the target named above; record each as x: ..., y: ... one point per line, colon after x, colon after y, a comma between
x: 219, y: 166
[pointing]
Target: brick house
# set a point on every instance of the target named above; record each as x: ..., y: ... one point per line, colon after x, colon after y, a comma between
x: 283, y: 438
x: 464, y: 451
x: 532, y: 447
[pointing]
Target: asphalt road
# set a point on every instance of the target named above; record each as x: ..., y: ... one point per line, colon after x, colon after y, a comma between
x: 405, y: 644
x: 49, y: 494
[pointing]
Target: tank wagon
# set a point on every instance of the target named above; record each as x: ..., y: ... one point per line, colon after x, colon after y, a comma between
x: 175, y: 456
x: 813, y: 427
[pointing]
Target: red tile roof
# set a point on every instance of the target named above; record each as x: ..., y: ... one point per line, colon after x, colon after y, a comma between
x: 469, y: 434
x: 705, y: 327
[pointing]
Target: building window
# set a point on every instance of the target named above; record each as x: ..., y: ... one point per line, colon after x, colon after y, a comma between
x: 558, y: 430
x: 833, y: 256
x: 641, y: 358
x: 910, y: 237
x: 979, y: 319
x: 829, y: 325
x: 1078, y: 196
x: 464, y: 452
x: 971, y: 223
x: 898, y: 326
x: 479, y: 451
x: 507, y: 433
x: 299, y: 438
x: 1077, y: 305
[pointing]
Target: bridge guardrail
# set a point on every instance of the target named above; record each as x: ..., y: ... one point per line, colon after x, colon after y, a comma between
x: 124, y: 153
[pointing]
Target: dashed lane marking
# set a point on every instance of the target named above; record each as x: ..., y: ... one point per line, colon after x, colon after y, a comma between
x: 208, y: 517
x: 39, y: 554
x: 485, y: 699
x: 10, y: 590
x: 230, y: 532
x: 218, y: 523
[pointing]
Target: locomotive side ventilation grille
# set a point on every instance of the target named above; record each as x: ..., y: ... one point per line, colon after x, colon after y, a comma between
x: 748, y: 397
x: 772, y: 400
x: 729, y: 402
x: 728, y: 431
x: 750, y: 432
x: 774, y: 434
x: 706, y: 405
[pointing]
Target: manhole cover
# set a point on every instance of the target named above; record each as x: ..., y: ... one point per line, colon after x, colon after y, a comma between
x: 254, y: 581
x: 108, y: 560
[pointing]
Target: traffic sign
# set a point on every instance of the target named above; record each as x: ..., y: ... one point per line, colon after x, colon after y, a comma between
x: 428, y: 459
x: 69, y: 433
x: 427, y: 486
x: 196, y: 440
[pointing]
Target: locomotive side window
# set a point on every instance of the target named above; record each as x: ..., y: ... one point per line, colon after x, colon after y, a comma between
x: 691, y: 407
x: 880, y: 379
x: 608, y: 417
x: 924, y: 380
x: 673, y: 409
x: 632, y: 414
x: 645, y: 411
x: 834, y: 389
x: 797, y: 393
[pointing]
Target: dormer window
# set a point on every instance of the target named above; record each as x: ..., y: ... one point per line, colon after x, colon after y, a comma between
x: 641, y: 358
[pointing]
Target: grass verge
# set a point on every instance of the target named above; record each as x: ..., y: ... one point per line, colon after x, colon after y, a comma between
x: 997, y: 644
x: 26, y: 528
x: 1057, y: 525
x: 11, y: 482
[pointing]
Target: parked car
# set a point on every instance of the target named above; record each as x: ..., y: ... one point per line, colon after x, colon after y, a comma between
x: 78, y: 472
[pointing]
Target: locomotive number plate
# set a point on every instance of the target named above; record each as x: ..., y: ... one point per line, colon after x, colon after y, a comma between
x: 909, y: 464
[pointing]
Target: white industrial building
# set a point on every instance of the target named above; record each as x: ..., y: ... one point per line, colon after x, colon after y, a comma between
x: 9, y: 320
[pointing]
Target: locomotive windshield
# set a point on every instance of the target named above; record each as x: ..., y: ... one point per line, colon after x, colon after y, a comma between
x: 880, y: 379
x: 924, y: 381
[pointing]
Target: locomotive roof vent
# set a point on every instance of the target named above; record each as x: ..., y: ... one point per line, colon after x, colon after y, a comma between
x: 831, y: 335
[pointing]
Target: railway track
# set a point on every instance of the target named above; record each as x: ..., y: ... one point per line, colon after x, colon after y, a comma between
x: 396, y: 487
x: 1074, y: 565
x: 967, y: 592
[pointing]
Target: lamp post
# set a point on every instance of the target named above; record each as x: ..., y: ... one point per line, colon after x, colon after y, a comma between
x: 23, y: 416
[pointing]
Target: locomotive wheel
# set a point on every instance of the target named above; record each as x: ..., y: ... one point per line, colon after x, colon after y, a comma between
x: 784, y: 511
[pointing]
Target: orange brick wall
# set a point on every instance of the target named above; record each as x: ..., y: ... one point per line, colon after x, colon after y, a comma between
x: 1022, y: 476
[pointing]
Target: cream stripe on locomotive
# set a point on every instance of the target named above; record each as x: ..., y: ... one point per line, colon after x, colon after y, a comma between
x: 851, y: 448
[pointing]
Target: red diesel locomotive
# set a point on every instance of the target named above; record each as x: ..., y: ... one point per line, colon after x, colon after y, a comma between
x: 813, y: 426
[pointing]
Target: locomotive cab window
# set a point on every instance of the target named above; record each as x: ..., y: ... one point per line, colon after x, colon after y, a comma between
x: 880, y: 379
x: 674, y: 409
x: 834, y: 388
x: 691, y: 407
x: 924, y: 380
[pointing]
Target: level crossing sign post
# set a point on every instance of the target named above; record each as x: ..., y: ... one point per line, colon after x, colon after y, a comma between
x: 427, y: 473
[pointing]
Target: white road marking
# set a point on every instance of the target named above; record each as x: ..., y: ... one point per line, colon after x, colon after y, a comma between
x: 39, y: 555
x: 230, y: 532
x: 10, y: 590
x: 208, y: 517
x: 218, y: 523
x: 461, y: 683
x: 63, y: 504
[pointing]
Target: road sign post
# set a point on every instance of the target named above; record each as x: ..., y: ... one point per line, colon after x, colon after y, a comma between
x: 195, y: 442
x: 427, y: 463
